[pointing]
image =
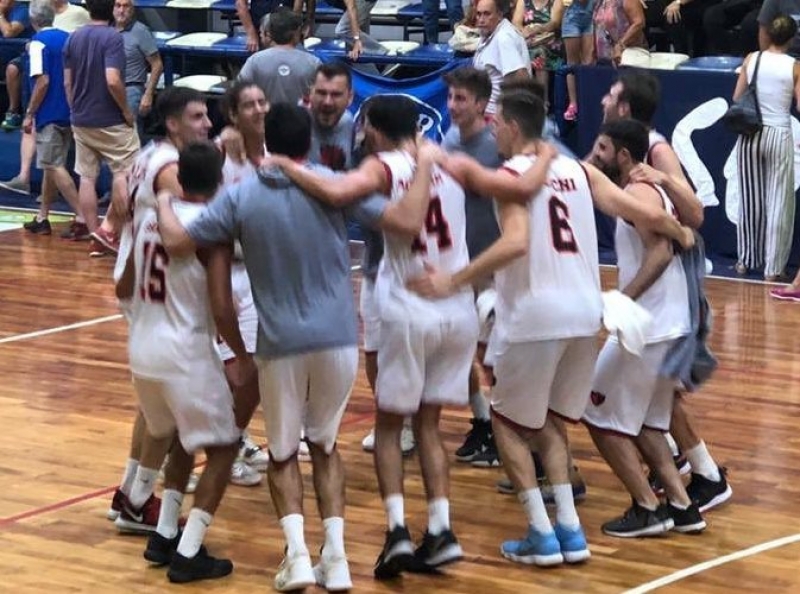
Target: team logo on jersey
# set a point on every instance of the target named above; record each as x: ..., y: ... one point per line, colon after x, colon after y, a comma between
x: 598, y: 398
x: 430, y: 119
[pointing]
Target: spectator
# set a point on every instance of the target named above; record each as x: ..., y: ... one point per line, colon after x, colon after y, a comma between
x: 48, y: 107
x: 251, y: 14
x: 540, y: 23
x: 771, y: 10
x: 502, y: 52
x: 720, y: 22
x: 69, y: 16
x: 618, y: 25
x: 102, y: 122
x: 766, y: 159
x: 353, y: 26
x: 141, y: 52
x: 284, y: 71
x: 577, y: 31
x: 14, y: 22
x: 430, y: 17
x: 683, y: 22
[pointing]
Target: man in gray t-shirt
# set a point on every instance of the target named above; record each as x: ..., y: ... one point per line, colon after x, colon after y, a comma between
x: 284, y: 71
x: 295, y: 252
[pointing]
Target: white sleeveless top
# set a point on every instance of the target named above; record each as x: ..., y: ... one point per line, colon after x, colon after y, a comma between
x: 441, y: 242
x: 667, y: 299
x: 775, y: 87
x: 554, y: 291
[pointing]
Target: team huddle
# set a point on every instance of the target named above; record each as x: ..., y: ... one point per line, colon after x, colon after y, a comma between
x: 234, y: 274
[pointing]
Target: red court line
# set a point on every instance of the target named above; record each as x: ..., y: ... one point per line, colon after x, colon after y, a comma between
x: 39, y: 511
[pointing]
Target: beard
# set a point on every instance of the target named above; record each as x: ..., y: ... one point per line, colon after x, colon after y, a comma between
x: 611, y: 170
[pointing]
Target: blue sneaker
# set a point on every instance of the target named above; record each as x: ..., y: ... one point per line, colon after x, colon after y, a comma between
x: 535, y: 549
x: 573, y: 544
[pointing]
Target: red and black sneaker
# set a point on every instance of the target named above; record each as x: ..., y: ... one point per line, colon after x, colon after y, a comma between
x: 116, y: 505
x: 139, y: 521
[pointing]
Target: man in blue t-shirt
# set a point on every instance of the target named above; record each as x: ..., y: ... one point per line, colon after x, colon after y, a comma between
x: 14, y: 22
x: 49, y: 109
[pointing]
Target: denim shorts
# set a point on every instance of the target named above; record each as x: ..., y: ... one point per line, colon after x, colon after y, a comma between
x: 577, y: 20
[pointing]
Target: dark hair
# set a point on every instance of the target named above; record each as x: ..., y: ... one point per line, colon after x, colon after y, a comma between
x: 472, y: 79
x: 395, y: 116
x: 200, y: 168
x: 284, y: 24
x: 628, y: 134
x: 526, y: 109
x: 641, y: 90
x: 782, y: 30
x: 171, y: 102
x: 333, y: 69
x: 288, y: 130
x: 230, y: 101
x: 528, y: 85
x: 501, y: 6
x: 101, y: 10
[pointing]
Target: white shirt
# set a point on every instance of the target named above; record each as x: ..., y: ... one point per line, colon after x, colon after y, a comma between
x: 775, y: 87
x: 500, y: 54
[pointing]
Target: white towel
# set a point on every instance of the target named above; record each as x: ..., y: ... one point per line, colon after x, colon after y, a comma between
x: 626, y: 319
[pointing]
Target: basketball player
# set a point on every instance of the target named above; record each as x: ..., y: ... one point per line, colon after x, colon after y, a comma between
x: 137, y: 509
x: 631, y: 404
x: 306, y: 350
x: 636, y: 95
x: 547, y: 316
x: 177, y: 372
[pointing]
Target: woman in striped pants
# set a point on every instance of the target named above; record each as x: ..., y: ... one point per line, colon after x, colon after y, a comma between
x: 766, y: 159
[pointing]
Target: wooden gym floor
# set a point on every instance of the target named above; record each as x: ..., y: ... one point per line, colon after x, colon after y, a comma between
x: 66, y: 407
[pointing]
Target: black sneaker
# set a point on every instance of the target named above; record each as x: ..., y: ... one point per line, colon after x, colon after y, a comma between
x: 76, y: 232
x: 681, y: 463
x: 708, y: 494
x: 38, y: 227
x: 160, y: 550
x: 437, y: 550
x: 488, y: 457
x: 687, y: 521
x: 200, y: 567
x: 639, y: 521
x: 397, y: 555
x: 476, y: 437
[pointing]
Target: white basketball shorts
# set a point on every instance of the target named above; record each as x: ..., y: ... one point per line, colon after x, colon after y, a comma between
x: 370, y: 318
x: 245, y: 312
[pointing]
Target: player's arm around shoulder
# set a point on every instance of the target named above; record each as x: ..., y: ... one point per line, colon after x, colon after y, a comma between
x: 407, y: 215
x: 657, y: 248
x: 674, y: 181
x: 176, y: 240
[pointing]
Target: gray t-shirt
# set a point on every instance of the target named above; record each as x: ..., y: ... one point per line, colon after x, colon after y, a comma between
x: 88, y: 52
x: 333, y: 147
x: 482, y: 228
x: 285, y: 74
x: 295, y: 251
x: 771, y: 9
x: 139, y: 45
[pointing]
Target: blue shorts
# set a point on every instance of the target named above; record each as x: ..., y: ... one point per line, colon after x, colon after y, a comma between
x: 577, y: 20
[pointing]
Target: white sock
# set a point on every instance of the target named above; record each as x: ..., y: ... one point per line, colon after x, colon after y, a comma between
x: 170, y: 513
x: 673, y: 445
x: 334, y: 536
x: 194, y: 532
x: 292, y: 525
x: 479, y: 405
x: 408, y: 422
x: 80, y: 219
x: 395, y: 510
x: 565, y: 507
x: 143, y: 486
x: 537, y: 513
x: 702, y: 462
x: 40, y: 218
x: 438, y: 515
x: 678, y: 505
x: 131, y: 466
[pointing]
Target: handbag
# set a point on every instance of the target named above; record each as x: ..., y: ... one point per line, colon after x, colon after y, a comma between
x: 744, y: 115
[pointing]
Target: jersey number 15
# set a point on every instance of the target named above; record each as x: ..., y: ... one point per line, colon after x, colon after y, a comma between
x: 154, y: 281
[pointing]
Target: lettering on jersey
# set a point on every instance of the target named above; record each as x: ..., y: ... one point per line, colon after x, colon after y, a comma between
x: 435, y: 224
x: 152, y: 227
x: 333, y: 157
x: 560, y: 229
x: 563, y: 185
x: 436, y: 181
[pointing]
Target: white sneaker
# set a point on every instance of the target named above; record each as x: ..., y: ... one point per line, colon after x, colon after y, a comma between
x: 295, y: 573
x: 244, y: 475
x: 407, y: 441
x: 302, y: 452
x: 252, y: 453
x: 368, y: 443
x: 333, y: 574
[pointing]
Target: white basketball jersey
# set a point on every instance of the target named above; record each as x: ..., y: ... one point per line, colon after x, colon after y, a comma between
x: 141, y: 191
x: 654, y: 139
x: 554, y: 291
x: 667, y: 299
x: 172, y: 324
x: 441, y: 243
x: 234, y: 171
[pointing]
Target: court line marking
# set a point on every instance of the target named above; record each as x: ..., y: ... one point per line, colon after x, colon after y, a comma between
x: 57, y: 329
x: 706, y: 565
